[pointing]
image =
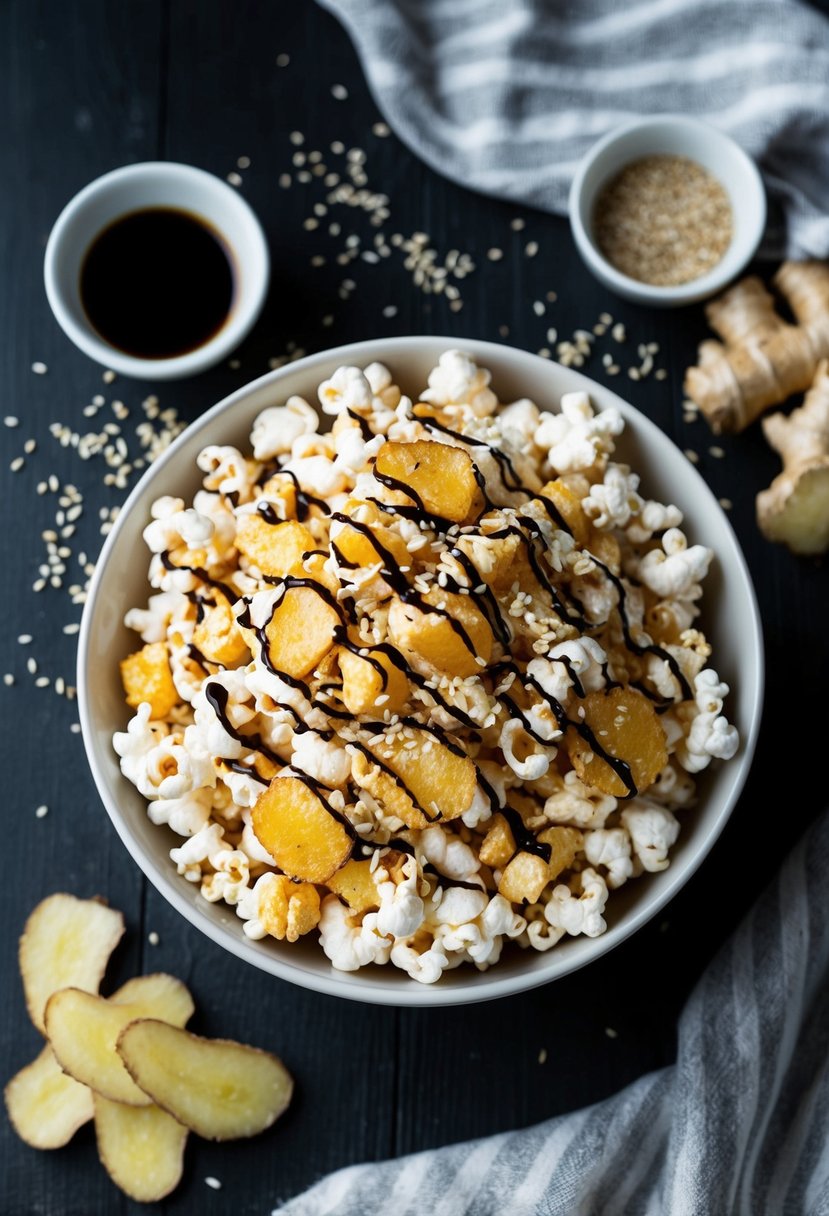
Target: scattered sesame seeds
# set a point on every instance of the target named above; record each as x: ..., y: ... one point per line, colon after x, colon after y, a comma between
x: 717, y: 452
x: 234, y: 178
x: 297, y: 138
x: 42, y: 682
x: 29, y: 446
x: 339, y: 92
x: 41, y: 811
x: 531, y: 249
x: 283, y: 60
x: 542, y: 1056
x: 39, y: 369
x: 538, y: 308
x: 8, y: 679
x: 381, y: 130
x: 390, y: 311
x: 109, y: 376
x: 692, y: 455
x: 11, y: 421
x: 611, y: 1033
x: 75, y: 728
x: 153, y: 938
x: 243, y: 162
x: 213, y: 1183
x: 518, y: 225
x: 24, y: 639
x: 17, y: 464
x: 31, y: 666
x: 495, y: 254
x: 726, y: 503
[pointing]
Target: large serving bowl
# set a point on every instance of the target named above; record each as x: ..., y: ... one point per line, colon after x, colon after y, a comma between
x: 730, y: 619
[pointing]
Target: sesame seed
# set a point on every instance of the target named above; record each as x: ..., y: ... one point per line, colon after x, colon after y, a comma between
x: 531, y: 249
x: 339, y: 92
x: 17, y: 464
x: 716, y: 452
x: 390, y: 311
x: 518, y: 225
x: 381, y: 130
x: 538, y: 308
x: 31, y: 666
x: 29, y: 446
x: 213, y: 1183
x: 75, y: 728
x: 494, y: 254
x: 24, y: 639
x: 234, y: 178
x: 611, y: 1033
x: 8, y: 679
x: 692, y: 455
x: 283, y: 60
x: 153, y: 938
x: 243, y: 162
x: 41, y: 811
x: 11, y: 421
x: 726, y: 504
x: 42, y: 682
x: 39, y: 369
x: 542, y: 1056
x: 109, y: 376
x: 296, y: 138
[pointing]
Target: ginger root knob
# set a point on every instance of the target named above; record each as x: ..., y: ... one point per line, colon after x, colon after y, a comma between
x: 795, y: 507
x: 762, y: 359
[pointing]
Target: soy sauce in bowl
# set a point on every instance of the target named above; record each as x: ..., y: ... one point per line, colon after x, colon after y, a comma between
x: 158, y: 283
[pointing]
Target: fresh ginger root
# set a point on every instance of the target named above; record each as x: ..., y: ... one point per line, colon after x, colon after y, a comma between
x: 762, y: 359
x: 795, y: 507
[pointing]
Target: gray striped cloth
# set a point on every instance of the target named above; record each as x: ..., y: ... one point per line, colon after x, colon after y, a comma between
x: 505, y: 97
x: 739, y: 1126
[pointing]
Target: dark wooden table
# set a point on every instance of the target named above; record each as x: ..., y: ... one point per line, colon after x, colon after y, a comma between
x: 87, y: 86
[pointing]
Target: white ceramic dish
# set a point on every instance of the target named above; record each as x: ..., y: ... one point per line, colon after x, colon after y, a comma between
x: 730, y: 619
x: 670, y: 134
x: 156, y: 184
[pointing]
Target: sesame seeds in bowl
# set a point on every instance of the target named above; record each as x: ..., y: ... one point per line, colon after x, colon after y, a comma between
x: 120, y: 585
x: 667, y: 211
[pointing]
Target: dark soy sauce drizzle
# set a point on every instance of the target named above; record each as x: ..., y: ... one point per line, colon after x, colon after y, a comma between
x: 365, y: 430
x: 320, y: 790
x: 217, y: 697
x: 372, y: 758
x: 230, y: 595
x: 201, y: 660
x: 304, y: 500
x: 244, y: 770
x: 157, y: 283
x: 398, y: 582
x: 620, y: 767
x: 637, y: 647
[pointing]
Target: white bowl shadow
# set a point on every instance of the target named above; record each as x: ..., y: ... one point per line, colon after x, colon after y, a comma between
x: 730, y: 619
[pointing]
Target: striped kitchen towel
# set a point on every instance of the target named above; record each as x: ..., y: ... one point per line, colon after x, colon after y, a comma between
x: 739, y: 1126
x: 507, y: 97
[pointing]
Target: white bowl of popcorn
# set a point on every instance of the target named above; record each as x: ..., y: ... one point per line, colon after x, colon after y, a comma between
x: 446, y: 675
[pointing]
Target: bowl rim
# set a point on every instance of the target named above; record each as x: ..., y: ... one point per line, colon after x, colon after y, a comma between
x: 736, y: 256
x: 403, y: 991
x: 185, y: 177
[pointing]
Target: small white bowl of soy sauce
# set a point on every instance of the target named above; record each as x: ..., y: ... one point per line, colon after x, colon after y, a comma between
x: 157, y: 270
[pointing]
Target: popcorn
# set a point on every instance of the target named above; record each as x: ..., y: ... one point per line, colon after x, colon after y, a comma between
x: 401, y: 692
x: 710, y: 734
x: 576, y: 438
x: 675, y: 570
x: 458, y: 381
x: 277, y: 428
x: 579, y: 912
x: 653, y: 831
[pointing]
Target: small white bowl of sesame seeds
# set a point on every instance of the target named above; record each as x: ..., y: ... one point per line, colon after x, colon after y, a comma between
x: 667, y: 211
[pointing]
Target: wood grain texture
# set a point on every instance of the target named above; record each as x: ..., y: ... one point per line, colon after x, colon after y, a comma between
x: 88, y: 86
